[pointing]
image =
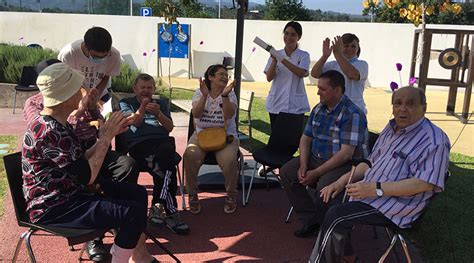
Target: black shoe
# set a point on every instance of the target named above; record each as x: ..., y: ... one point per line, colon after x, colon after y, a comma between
x: 96, y: 250
x: 307, y: 231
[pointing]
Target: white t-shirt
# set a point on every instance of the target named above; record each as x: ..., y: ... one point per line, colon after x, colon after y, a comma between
x: 72, y: 55
x: 354, y: 88
x: 213, y: 114
x: 288, y: 93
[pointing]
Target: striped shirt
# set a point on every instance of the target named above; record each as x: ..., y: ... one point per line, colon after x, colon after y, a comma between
x: 345, y: 124
x: 420, y: 151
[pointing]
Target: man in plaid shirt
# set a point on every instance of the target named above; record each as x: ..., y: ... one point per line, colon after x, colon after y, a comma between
x: 335, y: 133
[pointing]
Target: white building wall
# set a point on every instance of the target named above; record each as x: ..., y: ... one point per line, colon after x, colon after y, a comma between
x: 382, y: 45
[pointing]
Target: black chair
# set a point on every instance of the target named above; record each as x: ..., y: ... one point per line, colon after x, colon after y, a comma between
x: 394, y: 233
x: 74, y: 236
x: 210, y: 159
x: 27, y: 82
x: 281, y: 147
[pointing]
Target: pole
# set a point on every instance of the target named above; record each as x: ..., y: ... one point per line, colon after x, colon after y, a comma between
x: 131, y: 7
x: 239, y: 40
x: 219, y: 12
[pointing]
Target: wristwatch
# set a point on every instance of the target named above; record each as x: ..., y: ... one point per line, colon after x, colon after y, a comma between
x: 378, y: 189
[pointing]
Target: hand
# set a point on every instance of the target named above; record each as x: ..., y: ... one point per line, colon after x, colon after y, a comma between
x: 228, y: 89
x: 115, y: 124
x: 203, y: 87
x: 153, y: 108
x: 310, y: 178
x: 326, y: 48
x: 337, y: 45
x: 361, y: 190
x: 302, y: 172
x: 331, y: 191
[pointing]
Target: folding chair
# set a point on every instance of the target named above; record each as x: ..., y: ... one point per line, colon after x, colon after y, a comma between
x: 245, y: 105
x: 73, y: 236
x: 210, y: 159
x: 395, y: 232
x: 282, y: 144
x: 15, y: 180
x: 27, y: 82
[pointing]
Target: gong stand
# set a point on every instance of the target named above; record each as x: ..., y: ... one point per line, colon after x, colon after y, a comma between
x: 459, y: 59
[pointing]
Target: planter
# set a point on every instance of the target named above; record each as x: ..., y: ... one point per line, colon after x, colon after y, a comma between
x: 7, y: 91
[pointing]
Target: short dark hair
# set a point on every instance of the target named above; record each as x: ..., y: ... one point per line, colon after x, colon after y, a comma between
x: 419, y: 93
x: 144, y: 77
x: 296, y: 26
x: 211, y: 71
x: 46, y: 63
x: 98, y: 39
x: 336, y: 79
x: 348, y: 38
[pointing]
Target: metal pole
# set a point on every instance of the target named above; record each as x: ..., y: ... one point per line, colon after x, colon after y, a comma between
x: 131, y: 7
x: 219, y: 12
x: 239, y: 40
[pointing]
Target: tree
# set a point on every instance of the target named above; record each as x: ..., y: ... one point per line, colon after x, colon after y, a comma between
x: 180, y: 8
x: 286, y: 10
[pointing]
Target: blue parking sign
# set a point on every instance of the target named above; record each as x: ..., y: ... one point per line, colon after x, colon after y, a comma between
x: 145, y: 11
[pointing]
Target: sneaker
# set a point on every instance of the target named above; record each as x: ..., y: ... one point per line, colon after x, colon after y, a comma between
x: 194, y: 205
x: 157, y: 214
x: 174, y: 223
x: 230, y: 205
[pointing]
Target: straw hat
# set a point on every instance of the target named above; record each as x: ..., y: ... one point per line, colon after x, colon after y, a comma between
x: 58, y: 83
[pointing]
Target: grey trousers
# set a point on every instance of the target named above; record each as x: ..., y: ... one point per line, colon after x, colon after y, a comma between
x: 304, y: 203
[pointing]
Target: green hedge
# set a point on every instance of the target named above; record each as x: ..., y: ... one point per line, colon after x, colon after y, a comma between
x: 13, y: 58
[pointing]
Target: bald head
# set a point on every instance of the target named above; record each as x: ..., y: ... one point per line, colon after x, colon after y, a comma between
x: 408, y: 105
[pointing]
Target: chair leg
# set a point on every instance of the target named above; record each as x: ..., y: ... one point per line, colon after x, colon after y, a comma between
x: 287, y: 220
x: 392, y: 243
x: 251, y: 182
x: 14, y: 101
x: 242, y: 177
x: 405, y: 247
x: 250, y: 132
x: 158, y: 243
x: 27, y: 236
x: 18, y: 246
x: 181, y: 186
x: 183, y: 202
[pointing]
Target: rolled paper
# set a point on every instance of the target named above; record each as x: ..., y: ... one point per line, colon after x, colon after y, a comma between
x: 95, y: 124
x: 262, y: 44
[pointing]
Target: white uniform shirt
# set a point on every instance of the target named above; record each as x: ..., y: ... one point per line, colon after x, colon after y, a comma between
x: 213, y: 114
x: 354, y: 88
x: 72, y: 55
x: 288, y: 93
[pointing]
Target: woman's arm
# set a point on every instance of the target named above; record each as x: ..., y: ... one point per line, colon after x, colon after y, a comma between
x: 198, y: 107
x: 301, y: 73
x: 227, y: 106
x: 271, y: 71
x: 317, y: 69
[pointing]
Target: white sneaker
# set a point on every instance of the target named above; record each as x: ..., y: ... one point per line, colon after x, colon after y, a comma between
x: 157, y: 214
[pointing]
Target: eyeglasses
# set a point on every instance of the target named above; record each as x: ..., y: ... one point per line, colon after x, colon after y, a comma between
x: 224, y: 74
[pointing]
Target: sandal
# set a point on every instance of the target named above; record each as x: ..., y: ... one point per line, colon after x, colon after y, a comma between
x: 194, y: 205
x: 230, y: 205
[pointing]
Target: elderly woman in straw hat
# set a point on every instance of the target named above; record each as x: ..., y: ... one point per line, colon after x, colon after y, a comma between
x: 56, y: 171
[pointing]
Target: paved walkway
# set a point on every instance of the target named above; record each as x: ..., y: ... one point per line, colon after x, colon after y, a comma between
x: 379, y: 109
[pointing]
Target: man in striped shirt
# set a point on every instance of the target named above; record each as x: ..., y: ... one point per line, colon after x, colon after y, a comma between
x: 335, y: 133
x: 409, y: 164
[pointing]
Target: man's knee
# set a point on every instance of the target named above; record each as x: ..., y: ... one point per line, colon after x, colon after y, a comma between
x: 289, y: 172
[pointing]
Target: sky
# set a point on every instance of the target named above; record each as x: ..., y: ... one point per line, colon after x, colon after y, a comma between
x: 343, y: 6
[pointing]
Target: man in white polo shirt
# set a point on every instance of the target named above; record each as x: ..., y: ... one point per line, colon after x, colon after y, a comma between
x: 95, y: 57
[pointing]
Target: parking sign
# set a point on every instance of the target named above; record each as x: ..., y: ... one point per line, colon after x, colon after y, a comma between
x: 145, y: 11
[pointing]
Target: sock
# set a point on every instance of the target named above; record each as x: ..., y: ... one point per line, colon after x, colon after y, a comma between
x: 120, y: 255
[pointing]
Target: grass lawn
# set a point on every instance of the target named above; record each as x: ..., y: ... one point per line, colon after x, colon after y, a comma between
x: 12, y: 142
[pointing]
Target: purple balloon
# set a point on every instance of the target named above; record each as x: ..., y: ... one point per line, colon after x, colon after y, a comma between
x: 412, y: 81
x: 399, y: 66
x: 202, y: 42
x: 253, y: 49
x: 144, y: 54
x: 393, y: 86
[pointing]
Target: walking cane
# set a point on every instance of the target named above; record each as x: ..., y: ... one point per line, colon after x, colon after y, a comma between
x: 354, y: 163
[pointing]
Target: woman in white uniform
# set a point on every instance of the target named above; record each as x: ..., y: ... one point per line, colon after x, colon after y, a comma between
x: 288, y: 93
x: 346, y: 51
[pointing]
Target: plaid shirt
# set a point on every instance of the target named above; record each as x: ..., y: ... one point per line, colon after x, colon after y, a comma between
x: 345, y: 124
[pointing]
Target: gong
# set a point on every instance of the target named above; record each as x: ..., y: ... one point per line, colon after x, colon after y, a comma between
x: 450, y: 58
